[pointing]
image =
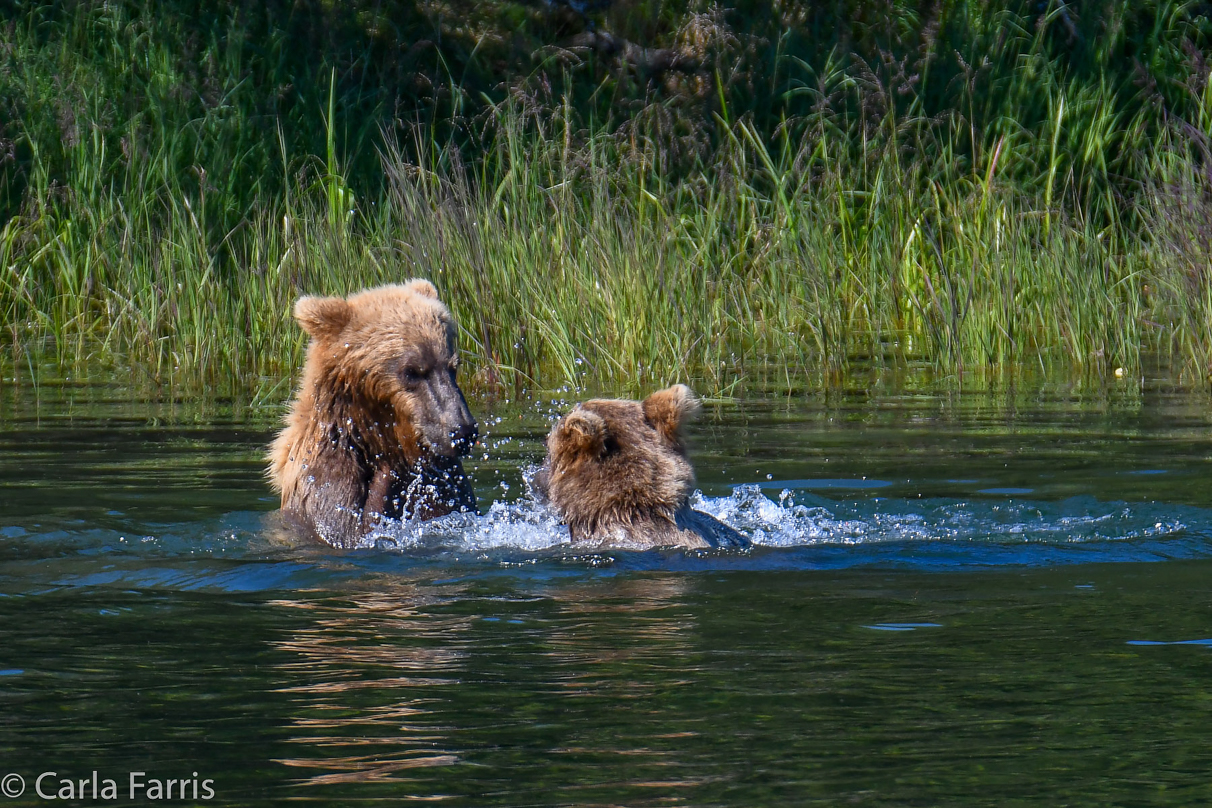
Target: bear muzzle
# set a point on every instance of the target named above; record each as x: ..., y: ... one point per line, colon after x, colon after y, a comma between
x: 463, y: 437
x: 443, y: 422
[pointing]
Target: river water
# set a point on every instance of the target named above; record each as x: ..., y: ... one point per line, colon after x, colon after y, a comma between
x: 952, y: 600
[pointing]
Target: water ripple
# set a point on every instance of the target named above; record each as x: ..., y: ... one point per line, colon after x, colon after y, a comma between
x: 248, y: 552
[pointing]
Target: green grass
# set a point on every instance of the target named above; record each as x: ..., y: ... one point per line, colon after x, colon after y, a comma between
x: 1031, y: 215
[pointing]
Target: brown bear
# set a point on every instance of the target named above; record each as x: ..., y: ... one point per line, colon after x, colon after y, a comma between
x: 617, y: 474
x: 379, y: 423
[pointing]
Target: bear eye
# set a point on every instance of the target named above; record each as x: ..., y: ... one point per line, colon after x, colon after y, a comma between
x: 413, y: 374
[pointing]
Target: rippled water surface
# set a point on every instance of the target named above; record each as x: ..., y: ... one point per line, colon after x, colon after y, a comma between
x: 952, y: 600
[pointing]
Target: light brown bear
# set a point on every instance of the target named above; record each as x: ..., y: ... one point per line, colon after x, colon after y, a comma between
x: 617, y: 474
x: 378, y: 423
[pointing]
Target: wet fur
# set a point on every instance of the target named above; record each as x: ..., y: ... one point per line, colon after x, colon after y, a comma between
x: 361, y: 443
x: 617, y: 473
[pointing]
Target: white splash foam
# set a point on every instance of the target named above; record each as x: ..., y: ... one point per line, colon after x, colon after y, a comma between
x: 522, y: 525
x: 786, y: 524
x: 530, y: 526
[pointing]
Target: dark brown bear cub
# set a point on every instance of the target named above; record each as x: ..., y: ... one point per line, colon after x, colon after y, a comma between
x: 378, y: 424
x: 617, y: 473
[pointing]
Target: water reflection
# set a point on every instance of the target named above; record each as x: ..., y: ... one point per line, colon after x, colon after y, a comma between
x: 374, y: 679
x: 355, y: 675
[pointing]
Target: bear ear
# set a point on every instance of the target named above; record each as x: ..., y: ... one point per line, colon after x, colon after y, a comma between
x: 323, y: 317
x: 421, y: 287
x: 580, y: 433
x: 668, y: 409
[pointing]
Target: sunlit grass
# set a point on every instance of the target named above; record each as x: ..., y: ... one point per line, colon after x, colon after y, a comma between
x: 561, y: 270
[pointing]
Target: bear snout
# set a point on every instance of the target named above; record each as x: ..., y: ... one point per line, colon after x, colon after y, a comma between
x: 463, y: 437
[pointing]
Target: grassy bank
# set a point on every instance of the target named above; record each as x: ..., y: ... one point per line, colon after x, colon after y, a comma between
x: 1046, y: 210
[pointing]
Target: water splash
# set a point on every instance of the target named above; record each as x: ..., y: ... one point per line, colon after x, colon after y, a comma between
x: 812, y: 520
x: 246, y: 551
x: 522, y: 525
x: 529, y: 526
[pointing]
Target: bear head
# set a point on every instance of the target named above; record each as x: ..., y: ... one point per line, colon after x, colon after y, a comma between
x: 391, y: 351
x: 614, y: 464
